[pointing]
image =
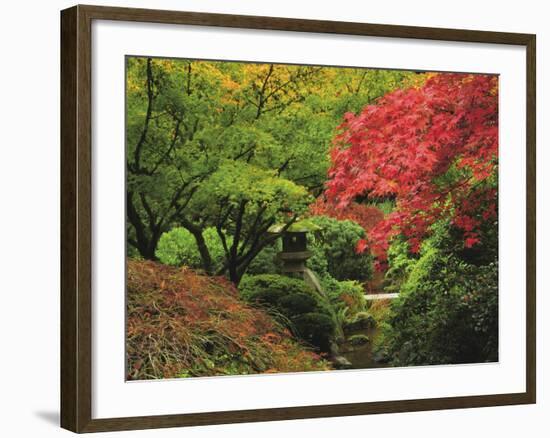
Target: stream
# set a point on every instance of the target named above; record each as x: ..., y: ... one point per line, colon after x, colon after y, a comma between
x: 360, y: 356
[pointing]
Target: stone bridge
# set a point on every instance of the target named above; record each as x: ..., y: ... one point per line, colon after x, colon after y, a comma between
x: 372, y: 297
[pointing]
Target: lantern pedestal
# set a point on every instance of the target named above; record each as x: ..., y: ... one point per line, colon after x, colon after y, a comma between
x: 294, y: 262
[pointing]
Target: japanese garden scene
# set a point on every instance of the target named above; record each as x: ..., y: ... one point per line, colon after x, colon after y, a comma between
x: 292, y: 218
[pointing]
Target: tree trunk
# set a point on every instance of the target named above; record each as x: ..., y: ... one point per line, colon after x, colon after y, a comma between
x: 206, y: 259
x: 147, y: 239
x: 148, y: 248
x: 234, y: 273
x: 196, y: 231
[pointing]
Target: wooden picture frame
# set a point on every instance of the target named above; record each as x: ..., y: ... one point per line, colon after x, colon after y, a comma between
x: 76, y: 218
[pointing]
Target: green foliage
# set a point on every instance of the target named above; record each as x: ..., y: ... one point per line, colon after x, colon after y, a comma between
x: 236, y: 182
x: 378, y: 311
x: 335, y: 243
x: 266, y: 262
x: 318, y: 262
x: 294, y: 303
x: 235, y: 146
x: 399, y: 264
x: 316, y: 328
x: 347, y: 294
x: 346, y: 299
x: 386, y: 206
x: 133, y: 253
x: 178, y: 247
x: 447, y: 310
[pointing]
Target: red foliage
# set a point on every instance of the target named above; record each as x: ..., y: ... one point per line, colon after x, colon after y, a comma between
x: 404, y: 147
x: 366, y: 216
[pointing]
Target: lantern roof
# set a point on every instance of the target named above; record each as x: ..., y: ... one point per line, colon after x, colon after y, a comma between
x: 301, y: 226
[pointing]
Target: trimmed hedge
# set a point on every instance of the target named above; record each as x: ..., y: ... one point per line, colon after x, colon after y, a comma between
x: 334, y: 250
x: 293, y: 303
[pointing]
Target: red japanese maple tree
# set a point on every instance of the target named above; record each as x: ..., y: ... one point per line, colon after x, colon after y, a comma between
x: 433, y: 149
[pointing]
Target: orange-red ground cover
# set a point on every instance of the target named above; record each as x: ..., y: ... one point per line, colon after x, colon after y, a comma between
x: 182, y: 324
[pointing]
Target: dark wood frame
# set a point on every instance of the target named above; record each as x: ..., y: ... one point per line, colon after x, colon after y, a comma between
x: 76, y: 173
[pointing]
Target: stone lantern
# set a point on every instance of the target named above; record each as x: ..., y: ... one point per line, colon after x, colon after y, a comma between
x: 294, y: 256
x: 295, y: 252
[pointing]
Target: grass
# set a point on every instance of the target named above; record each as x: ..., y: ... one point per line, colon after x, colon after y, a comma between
x: 182, y: 324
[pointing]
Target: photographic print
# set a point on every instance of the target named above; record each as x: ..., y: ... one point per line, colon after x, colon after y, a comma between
x: 292, y: 218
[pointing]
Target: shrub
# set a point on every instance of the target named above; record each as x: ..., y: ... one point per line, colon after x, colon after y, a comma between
x: 266, y: 262
x: 181, y: 324
x: 316, y: 328
x: 379, y: 310
x: 294, y: 303
x: 400, y: 263
x: 336, y: 243
x: 447, y: 310
x: 318, y: 261
x: 269, y: 288
x: 348, y: 295
x: 178, y: 247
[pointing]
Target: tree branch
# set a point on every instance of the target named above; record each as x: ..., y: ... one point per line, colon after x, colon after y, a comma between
x: 141, y: 141
x: 261, y: 101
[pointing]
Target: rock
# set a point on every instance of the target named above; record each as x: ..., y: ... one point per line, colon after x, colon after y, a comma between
x: 380, y: 357
x: 405, y: 352
x: 338, y: 361
x: 334, y: 349
x: 358, y: 339
x: 363, y: 320
x: 341, y: 363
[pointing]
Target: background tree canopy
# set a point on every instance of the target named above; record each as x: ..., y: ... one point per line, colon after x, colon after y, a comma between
x: 236, y: 147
